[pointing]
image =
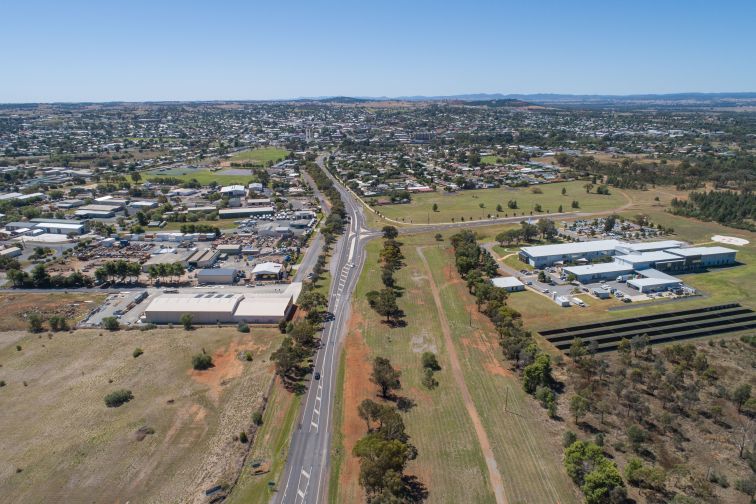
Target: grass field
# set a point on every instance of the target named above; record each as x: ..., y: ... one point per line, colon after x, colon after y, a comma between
x: 61, y: 443
x: 450, y: 461
x: 491, y: 160
x: 204, y: 177
x: 466, y: 204
x: 260, y: 156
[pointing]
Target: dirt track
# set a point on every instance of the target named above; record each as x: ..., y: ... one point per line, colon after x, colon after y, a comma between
x: 485, y: 445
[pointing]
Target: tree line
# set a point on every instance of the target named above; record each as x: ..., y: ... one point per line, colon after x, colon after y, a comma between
x: 731, y: 208
x: 598, y: 477
x: 391, y: 259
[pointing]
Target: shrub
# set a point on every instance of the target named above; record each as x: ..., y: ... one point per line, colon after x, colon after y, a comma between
x: 257, y: 418
x: 186, y: 321
x: 568, y: 438
x: 243, y: 327
x: 35, y: 323
x: 202, y: 361
x: 430, y: 362
x: 2, y: 383
x: 117, y: 398
x: 111, y: 323
x: 248, y: 356
x: 137, y: 352
x: 18, y: 348
x: 243, y: 437
x: 429, y: 381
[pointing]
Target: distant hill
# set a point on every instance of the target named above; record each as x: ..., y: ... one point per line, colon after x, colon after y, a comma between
x: 500, y: 103
x: 499, y: 100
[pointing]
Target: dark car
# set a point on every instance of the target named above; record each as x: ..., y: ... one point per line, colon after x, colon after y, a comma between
x: 317, y: 375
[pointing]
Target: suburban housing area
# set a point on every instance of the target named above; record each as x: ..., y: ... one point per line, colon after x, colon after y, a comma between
x: 358, y: 300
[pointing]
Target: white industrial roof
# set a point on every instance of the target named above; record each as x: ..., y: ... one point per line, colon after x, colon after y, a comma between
x: 505, y: 282
x: 263, y: 306
x: 206, y: 302
x: 59, y: 225
x: 570, y: 248
x: 648, y: 256
x: 647, y: 282
x: 655, y: 245
x: 659, y: 275
x: 267, y: 268
x: 694, y: 251
x: 598, y: 268
x: 233, y: 188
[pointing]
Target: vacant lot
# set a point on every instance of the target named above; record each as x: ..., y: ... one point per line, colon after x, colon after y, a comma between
x: 18, y: 306
x: 450, y: 462
x: 467, y: 204
x: 260, y: 156
x: 61, y: 443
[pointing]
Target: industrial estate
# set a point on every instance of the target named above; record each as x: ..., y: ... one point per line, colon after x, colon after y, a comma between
x: 261, y: 314
x: 375, y: 297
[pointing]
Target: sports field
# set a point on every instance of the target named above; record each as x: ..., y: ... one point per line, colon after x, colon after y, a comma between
x: 467, y: 204
x: 260, y: 156
x: 171, y: 442
x: 205, y: 177
x: 445, y: 427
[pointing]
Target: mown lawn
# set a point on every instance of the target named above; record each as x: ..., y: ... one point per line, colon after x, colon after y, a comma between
x: 260, y: 156
x: 467, y: 204
x: 204, y: 177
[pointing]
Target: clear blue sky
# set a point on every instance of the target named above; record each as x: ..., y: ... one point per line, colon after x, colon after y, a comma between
x: 69, y: 50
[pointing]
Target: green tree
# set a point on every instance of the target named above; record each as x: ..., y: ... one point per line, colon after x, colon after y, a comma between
x: 430, y: 362
x: 578, y: 406
x: 35, y: 322
x: 385, y: 376
x: 741, y: 394
x: 389, y: 232
x: 186, y: 320
x: 537, y: 373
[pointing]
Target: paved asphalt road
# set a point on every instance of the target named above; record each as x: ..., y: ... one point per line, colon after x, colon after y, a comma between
x: 305, y: 477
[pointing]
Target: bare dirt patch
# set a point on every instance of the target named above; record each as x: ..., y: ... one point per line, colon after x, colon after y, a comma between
x: 357, y: 387
x: 17, y: 307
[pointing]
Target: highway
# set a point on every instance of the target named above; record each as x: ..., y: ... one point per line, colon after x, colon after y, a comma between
x: 305, y: 477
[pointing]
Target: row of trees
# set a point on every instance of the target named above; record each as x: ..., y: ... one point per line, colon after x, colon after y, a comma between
x: 165, y: 270
x: 41, y: 279
x: 545, y: 228
x: 385, y: 449
x: 390, y: 259
x: 117, y: 270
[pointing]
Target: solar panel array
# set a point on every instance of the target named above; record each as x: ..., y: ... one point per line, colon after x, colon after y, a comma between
x: 660, y: 328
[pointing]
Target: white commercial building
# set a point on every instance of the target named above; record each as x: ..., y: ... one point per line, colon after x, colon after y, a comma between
x: 214, y: 307
x: 205, y: 308
x: 510, y: 284
x: 216, y: 276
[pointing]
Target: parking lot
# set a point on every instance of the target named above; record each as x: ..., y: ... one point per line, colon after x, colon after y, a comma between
x: 558, y: 286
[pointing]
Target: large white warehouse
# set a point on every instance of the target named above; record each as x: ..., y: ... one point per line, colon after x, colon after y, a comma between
x: 214, y: 307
